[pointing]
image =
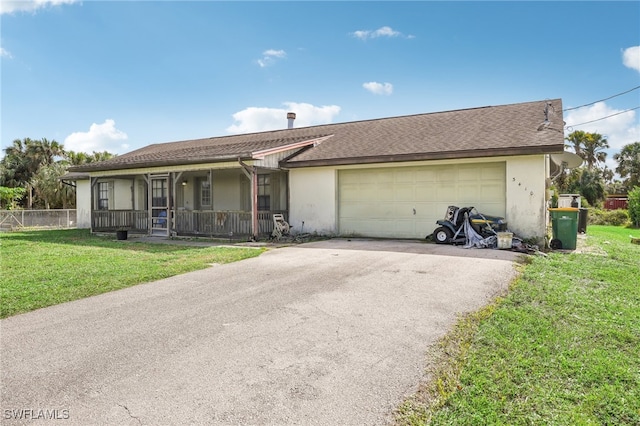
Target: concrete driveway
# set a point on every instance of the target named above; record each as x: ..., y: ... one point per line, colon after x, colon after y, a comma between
x: 326, y: 333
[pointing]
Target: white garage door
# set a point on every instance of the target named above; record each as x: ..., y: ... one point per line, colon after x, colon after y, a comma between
x: 405, y: 202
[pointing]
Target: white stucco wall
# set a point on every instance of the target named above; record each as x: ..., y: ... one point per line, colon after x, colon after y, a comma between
x: 122, y: 195
x: 526, y: 195
x: 83, y: 204
x: 313, y: 195
x: 226, y: 191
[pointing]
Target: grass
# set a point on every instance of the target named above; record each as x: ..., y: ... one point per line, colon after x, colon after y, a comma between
x: 44, y: 268
x: 562, y: 347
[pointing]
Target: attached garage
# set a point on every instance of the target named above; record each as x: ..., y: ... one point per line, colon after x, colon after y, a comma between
x: 388, y: 177
x: 405, y: 202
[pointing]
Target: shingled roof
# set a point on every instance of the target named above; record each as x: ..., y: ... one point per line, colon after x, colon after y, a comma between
x: 515, y: 129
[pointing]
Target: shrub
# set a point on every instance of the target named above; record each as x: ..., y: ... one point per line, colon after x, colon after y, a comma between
x: 608, y: 217
x: 634, y: 206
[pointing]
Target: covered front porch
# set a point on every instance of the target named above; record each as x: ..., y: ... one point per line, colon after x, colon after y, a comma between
x: 232, y: 200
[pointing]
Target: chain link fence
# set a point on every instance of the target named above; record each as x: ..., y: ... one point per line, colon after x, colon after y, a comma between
x: 17, y: 219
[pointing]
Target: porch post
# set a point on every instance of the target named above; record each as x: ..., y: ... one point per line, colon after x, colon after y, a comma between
x: 254, y: 203
x: 92, y: 186
x: 149, y: 205
x: 252, y: 173
x: 173, y: 205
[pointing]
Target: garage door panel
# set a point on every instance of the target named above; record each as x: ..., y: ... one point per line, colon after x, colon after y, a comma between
x: 404, y: 192
x: 383, y: 177
x: 404, y: 176
x: 493, y: 172
x: 469, y: 191
x: 406, y: 202
x: 359, y: 210
x: 492, y: 193
x: 404, y: 210
x: 425, y: 191
x: 446, y: 191
x: 426, y: 175
x: 384, y: 193
x: 469, y: 174
x: 405, y: 227
x: 368, y: 191
x: 446, y: 174
x: 350, y: 192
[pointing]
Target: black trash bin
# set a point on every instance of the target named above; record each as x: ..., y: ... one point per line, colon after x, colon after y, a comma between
x: 583, y: 216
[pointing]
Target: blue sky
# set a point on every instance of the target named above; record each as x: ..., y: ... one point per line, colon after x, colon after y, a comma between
x: 116, y: 76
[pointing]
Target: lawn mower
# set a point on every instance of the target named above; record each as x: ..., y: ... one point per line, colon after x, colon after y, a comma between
x: 452, y: 228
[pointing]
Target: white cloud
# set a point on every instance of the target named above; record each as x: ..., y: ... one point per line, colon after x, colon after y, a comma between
x: 619, y: 130
x: 379, y: 88
x: 380, y: 32
x: 631, y: 58
x: 256, y: 119
x: 270, y: 56
x: 100, y: 137
x: 11, y: 6
x: 4, y: 53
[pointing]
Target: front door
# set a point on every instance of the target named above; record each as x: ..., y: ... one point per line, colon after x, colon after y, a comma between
x: 160, y: 205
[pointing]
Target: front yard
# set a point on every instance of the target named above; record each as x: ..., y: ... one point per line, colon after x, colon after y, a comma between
x: 44, y: 268
x: 562, y: 347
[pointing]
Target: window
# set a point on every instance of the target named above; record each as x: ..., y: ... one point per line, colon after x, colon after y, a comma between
x: 159, y: 193
x: 205, y: 193
x: 103, y: 196
x: 264, y: 192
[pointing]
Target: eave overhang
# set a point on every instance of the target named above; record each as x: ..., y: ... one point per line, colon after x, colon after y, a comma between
x: 445, y: 155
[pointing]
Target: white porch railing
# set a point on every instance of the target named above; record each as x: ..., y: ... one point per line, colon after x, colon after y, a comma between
x: 112, y: 220
x: 220, y: 223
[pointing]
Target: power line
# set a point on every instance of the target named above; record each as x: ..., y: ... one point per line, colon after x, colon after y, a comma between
x: 605, y: 99
x: 598, y: 119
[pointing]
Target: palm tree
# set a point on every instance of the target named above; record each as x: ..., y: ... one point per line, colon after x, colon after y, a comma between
x: 43, y: 152
x: 594, y: 148
x: 577, y: 139
x: 101, y: 156
x: 15, y: 171
x: 51, y: 192
x: 589, y: 146
x: 77, y: 158
x: 629, y: 164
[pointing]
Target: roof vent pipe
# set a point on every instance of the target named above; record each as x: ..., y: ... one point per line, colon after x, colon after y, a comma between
x: 290, y: 117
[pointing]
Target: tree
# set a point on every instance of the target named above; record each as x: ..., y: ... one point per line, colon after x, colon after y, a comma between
x: 9, y: 197
x: 588, y: 183
x: 23, y: 159
x: 589, y: 146
x: 50, y: 191
x: 43, y: 152
x: 77, y: 158
x: 629, y: 164
x: 15, y: 167
x: 608, y: 175
x: 634, y: 206
x: 576, y: 138
x: 36, y: 166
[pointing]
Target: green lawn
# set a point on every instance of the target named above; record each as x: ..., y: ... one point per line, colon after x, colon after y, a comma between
x: 562, y: 347
x: 43, y: 268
